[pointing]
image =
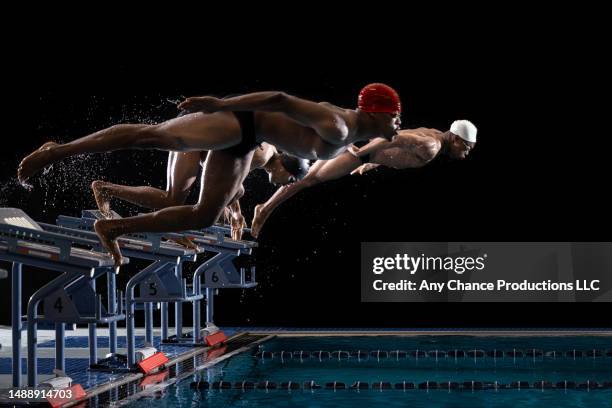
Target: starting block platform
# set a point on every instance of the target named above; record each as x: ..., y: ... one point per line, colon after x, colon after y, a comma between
x: 73, y: 249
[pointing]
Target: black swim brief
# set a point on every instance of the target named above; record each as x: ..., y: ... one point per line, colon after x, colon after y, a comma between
x: 249, y: 142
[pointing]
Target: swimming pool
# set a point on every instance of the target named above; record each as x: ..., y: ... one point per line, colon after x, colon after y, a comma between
x: 416, y: 371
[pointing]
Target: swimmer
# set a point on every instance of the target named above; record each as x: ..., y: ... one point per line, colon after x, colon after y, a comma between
x: 411, y: 148
x: 182, y: 171
x: 230, y: 129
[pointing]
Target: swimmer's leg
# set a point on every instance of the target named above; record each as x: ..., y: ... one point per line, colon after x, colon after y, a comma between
x: 195, y: 131
x: 222, y: 180
x: 182, y: 171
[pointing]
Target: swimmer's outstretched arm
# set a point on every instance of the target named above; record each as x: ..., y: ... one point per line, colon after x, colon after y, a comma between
x: 321, y: 171
x: 327, y: 122
x: 374, y: 145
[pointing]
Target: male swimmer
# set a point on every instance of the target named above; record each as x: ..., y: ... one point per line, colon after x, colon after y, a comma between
x: 409, y: 149
x: 231, y: 129
x: 182, y: 171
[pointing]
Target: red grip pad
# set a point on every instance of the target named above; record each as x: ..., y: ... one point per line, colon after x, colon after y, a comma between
x: 149, y: 364
x: 216, y: 338
x: 77, y: 393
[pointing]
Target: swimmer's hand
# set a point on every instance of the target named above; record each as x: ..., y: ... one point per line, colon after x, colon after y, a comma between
x: 207, y: 104
x: 364, y: 168
x: 354, y: 150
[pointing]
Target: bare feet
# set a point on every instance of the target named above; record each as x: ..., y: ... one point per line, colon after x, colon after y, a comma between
x: 35, y: 161
x: 108, y: 238
x: 259, y: 218
x: 102, y: 198
x: 184, y: 241
x: 237, y: 223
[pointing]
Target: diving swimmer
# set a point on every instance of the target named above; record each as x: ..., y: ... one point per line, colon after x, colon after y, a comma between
x: 182, y: 171
x: 230, y: 129
x: 411, y: 148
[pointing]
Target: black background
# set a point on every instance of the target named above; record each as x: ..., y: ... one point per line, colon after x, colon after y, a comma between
x: 540, y: 170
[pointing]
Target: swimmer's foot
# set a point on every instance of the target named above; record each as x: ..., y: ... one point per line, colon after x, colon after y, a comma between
x: 35, y: 161
x: 108, y: 238
x: 184, y: 241
x: 237, y: 224
x: 259, y: 218
x: 102, y: 198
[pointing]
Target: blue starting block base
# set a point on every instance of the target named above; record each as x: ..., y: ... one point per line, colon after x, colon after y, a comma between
x: 73, y: 249
x: 157, y: 284
x: 69, y: 298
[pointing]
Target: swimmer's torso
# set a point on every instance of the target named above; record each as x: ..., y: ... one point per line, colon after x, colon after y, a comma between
x: 405, y: 154
x: 291, y: 137
x: 223, y: 130
x: 397, y: 158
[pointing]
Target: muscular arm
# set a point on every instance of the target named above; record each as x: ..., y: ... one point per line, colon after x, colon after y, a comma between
x: 423, y: 146
x: 321, y: 171
x: 328, y: 122
x: 372, y: 146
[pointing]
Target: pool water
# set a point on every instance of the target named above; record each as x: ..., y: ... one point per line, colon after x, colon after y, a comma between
x: 509, y: 359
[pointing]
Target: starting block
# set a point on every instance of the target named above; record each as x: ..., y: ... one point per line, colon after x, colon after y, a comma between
x: 214, y: 339
x: 69, y: 298
x: 217, y: 272
x: 72, y: 392
x: 160, y: 282
x: 150, y: 360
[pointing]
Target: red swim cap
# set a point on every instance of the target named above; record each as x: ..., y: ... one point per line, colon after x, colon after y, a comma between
x: 379, y: 98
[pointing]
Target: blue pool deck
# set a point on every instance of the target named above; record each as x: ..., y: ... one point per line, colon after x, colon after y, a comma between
x: 77, y: 354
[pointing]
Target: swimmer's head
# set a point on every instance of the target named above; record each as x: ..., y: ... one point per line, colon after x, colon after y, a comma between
x: 462, y: 139
x: 384, y: 102
x: 284, y: 169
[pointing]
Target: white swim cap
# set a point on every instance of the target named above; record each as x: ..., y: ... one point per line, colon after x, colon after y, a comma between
x: 465, y: 130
